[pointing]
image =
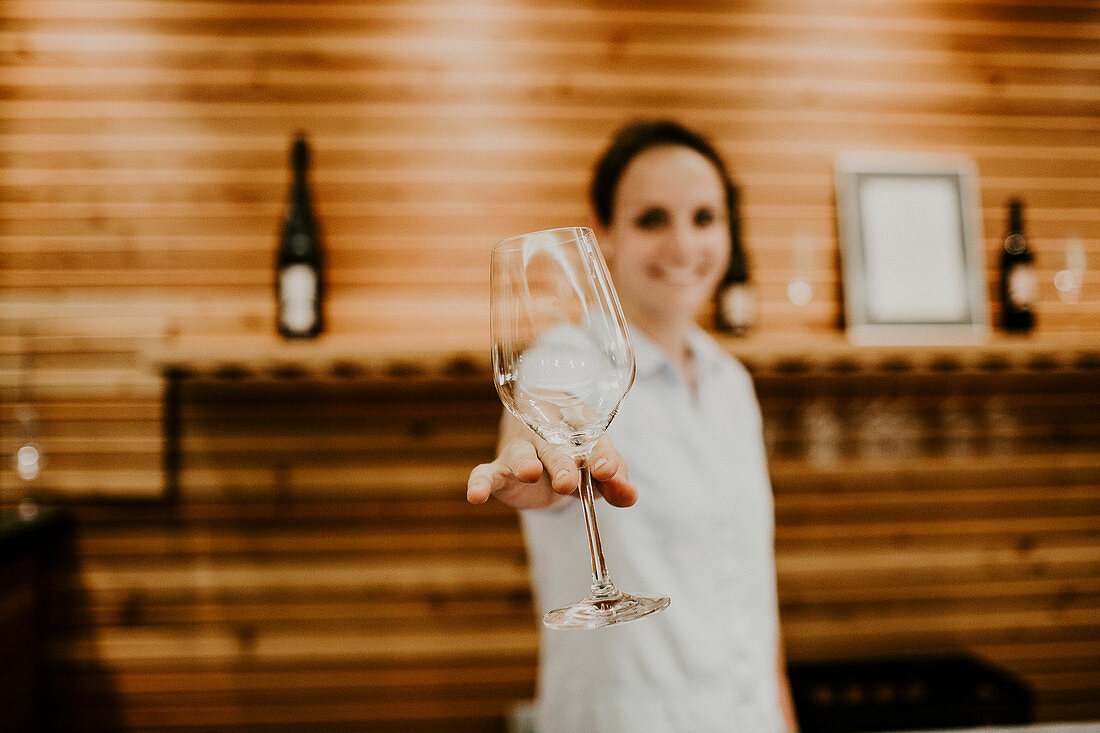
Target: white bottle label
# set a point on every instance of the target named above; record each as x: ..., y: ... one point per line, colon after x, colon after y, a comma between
x: 297, y: 297
x: 739, y: 306
x: 1023, y: 286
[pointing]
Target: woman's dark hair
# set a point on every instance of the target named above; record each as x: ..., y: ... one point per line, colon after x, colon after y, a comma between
x: 634, y: 139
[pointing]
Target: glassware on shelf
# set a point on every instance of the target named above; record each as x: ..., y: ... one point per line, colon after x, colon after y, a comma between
x: 28, y: 456
x: 822, y: 426
x: 800, y: 290
x: 1069, y: 280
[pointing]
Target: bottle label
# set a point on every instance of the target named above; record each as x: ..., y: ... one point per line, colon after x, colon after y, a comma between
x: 1023, y: 286
x: 298, y: 298
x: 738, y: 306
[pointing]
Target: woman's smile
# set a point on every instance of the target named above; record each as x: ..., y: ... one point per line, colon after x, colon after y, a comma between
x: 680, y: 275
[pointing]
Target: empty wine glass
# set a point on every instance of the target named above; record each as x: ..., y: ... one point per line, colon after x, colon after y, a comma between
x: 563, y: 363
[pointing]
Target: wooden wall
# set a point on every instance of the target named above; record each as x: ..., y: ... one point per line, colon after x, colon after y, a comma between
x: 323, y: 567
x: 143, y: 173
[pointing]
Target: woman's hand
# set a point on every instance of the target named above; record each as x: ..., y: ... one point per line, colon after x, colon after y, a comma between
x: 529, y: 473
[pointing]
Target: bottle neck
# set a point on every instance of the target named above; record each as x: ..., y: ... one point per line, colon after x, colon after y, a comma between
x: 299, y: 197
x: 299, y: 164
x: 1015, y: 217
x: 1015, y: 242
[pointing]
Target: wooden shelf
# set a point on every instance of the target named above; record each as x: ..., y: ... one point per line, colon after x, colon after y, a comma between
x: 834, y: 354
x: 325, y: 357
x: 972, y: 470
x: 429, y: 356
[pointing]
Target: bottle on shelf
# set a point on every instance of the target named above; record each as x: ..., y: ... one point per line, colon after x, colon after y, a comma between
x: 299, y: 281
x: 1019, y: 283
x: 734, y: 299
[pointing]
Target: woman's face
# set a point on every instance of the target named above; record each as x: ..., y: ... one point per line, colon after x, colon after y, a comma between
x: 669, y: 241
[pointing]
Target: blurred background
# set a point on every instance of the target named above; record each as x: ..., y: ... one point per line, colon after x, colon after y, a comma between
x: 238, y: 532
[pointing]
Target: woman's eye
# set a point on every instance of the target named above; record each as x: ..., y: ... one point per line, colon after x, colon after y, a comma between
x: 704, y: 218
x: 651, y: 219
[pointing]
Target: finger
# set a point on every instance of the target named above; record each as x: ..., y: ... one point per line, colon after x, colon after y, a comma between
x: 519, y: 461
x: 480, y: 484
x: 618, y: 492
x: 610, y: 474
x: 606, y: 462
x: 562, y: 469
x: 522, y: 460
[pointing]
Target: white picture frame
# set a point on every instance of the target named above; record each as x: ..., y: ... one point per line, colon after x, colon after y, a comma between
x: 912, y: 254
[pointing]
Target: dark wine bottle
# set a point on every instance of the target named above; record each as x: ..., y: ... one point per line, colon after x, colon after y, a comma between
x: 299, y: 281
x: 734, y: 299
x: 1019, y: 284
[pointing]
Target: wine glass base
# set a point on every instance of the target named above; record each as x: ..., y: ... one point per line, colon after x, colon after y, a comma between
x: 598, y: 611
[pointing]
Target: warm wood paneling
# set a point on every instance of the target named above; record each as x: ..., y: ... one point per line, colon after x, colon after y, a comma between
x: 323, y: 566
x: 143, y: 173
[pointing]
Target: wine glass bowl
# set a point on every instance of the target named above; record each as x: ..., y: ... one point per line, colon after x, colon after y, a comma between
x: 563, y: 362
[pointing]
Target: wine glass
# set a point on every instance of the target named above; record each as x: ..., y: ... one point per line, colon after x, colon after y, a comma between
x: 563, y: 363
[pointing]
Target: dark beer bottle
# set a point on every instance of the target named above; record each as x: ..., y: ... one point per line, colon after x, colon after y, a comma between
x: 1019, y: 284
x: 299, y: 282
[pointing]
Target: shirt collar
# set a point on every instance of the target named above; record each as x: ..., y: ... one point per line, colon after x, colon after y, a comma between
x: 650, y: 359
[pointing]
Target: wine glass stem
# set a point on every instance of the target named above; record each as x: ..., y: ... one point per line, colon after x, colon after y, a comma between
x: 600, y: 580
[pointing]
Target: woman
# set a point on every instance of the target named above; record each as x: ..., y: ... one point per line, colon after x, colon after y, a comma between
x: 700, y: 527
